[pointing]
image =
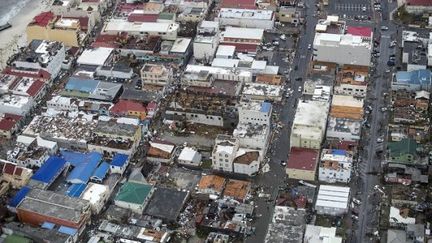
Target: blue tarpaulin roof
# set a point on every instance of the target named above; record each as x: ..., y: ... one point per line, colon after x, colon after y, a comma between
x: 81, y: 85
x: 119, y: 160
x: 67, y: 230
x: 82, y: 172
x: 76, y: 158
x: 48, y: 225
x: 49, y: 171
x: 19, y: 196
x: 338, y: 152
x: 75, y: 190
x: 101, y: 171
x: 265, y: 107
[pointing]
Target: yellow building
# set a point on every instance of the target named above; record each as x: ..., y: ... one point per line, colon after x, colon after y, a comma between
x: 302, y: 163
x: 47, y: 26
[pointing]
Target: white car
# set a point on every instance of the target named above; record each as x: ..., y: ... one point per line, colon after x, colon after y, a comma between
x: 300, y: 89
x: 309, y: 46
x: 283, y: 37
x: 364, y: 9
x: 380, y: 140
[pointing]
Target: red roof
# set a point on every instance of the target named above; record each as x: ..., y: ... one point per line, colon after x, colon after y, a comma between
x: 419, y: 2
x: 242, y: 47
x: 127, y: 105
x: 41, y: 74
x: 134, y: 17
x: 35, y: 88
x: 43, y: 18
x: 8, y: 121
x: 244, y: 4
x: 152, y: 106
x: 360, y: 31
x: 303, y: 158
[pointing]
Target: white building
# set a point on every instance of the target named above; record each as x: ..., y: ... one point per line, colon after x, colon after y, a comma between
x: 309, y: 124
x: 225, y: 51
x: 247, y: 18
x: 396, y: 219
x: 332, y: 200
x: 350, y: 49
x: 167, y: 31
x: 257, y: 113
x: 156, y: 74
x: 96, y: 56
x: 189, y: 156
x: 247, y: 162
x: 224, y: 152
x: 335, y: 166
x: 62, y: 103
x: 320, y: 234
x: 97, y: 195
x: 221, y: 73
x: 41, y: 55
x: 15, y: 104
x: 257, y: 91
x: 244, y: 39
x: 206, y: 41
x: 252, y: 136
x: 246, y: 63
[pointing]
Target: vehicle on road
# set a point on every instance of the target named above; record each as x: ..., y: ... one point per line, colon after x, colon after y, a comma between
x: 384, y: 27
x: 298, y: 79
x: 380, y: 140
x: 309, y: 46
x: 364, y: 8
x: 390, y: 63
x: 283, y: 163
x: 300, y: 89
x: 282, y: 37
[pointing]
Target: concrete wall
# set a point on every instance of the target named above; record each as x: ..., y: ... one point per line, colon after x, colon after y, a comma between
x: 301, y: 174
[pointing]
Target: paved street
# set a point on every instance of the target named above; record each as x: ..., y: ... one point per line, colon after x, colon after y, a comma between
x: 279, y: 149
x: 349, y: 9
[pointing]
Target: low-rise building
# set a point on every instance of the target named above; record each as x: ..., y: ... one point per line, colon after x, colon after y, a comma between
x: 237, y: 190
x: 309, y: 125
x: 335, y: 166
x: 219, y: 73
x: 15, y: 104
x: 252, y: 136
x: 193, y: 14
x: 247, y: 162
x: 244, y: 39
x: 97, y: 195
x: 405, y: 151
x: 287, y: 225
x: 156, y: 74
x: 99, y: 56
x: 352, y: 80
x: 345, y: 106
x: 412, y: 81
x: 134, y: 196
x: 14, y: 174
x: 168, y: 31
x: 418, y: 6
x: 128, y: 108
x: 41, y: 55
x: 9, y: 124
x: 320, y: 234
x: 224, y: 152
x: 414, y: 55
x: 246, y: 18
x: 261, y: 92
x: 212, y: 185
x: 161, y: 152
x: 332, y: 200
x: 302, y: 163
x: 42, y: 206
x: 206, y: 41
x: 92, y: 89
x: 289, y: 15
x: 189, y: 156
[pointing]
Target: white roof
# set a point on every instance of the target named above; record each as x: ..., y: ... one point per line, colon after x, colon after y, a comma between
x: 395, y: 217
x: 245, y: 14
x: 225, y: 50
x: 261, y: 65
x: 93, y: 192
x: 216, y: 70
x: 128, y: 120
x: 27, y: 140
x: 180, y: 45
x: 209, y: 24
x: 188, y: 154
x: 96, y: 56
x: 164, y: 147
x: 225, y: 149
x: 311, y: 114
x: 46, y: 143
x: 321, y: 27
x: 225, y: 62
x: 333, y: 196
x: 347, y: 100
x: 320, y: 234
x: 262, y: 89
x: 120, y: 25
x: 243, y: 33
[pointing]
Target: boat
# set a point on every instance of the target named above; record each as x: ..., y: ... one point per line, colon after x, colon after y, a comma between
x: 5, y: 26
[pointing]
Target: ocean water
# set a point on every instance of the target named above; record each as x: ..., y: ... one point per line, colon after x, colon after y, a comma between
x: 10, y: 8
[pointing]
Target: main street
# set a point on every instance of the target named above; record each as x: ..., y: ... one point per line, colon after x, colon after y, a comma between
x: 370, y: 164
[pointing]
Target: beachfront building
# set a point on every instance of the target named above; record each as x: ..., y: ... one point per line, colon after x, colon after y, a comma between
x: 48, y: 26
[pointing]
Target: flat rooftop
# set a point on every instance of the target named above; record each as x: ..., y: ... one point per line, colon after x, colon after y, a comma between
x: 54, y: 205
x: 251, y: 14
x: 243, y: 33
x: 166, y: 203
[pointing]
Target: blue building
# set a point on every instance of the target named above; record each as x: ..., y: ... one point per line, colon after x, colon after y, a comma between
x: 412, y: 81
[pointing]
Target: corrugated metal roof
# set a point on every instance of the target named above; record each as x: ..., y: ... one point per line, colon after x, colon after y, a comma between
x: 75, y: 190
x: 119, y: 160
x: 100, y: 172
x: 49, y: 170
x: 19, y: 196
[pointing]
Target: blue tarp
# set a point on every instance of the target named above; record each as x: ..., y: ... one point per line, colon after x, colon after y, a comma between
x: 82, y: 172
x: 49, y: 171
x: 76, y: 158
x: 75, y: 190
x: 67, y: 230
x: 338, y: 152
x: 119, y: 160
x: 48, y: 225
x: 19, y: 196
x: 100, y: 173
x: 81, y: 85
x: 265, y: 107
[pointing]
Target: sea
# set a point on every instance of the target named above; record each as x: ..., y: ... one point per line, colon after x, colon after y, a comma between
x: 10, y: 8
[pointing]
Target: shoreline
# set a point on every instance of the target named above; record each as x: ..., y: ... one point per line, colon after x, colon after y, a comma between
x: 15, y: 37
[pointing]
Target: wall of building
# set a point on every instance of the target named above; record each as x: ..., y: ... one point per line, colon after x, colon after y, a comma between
x: 332, y: 176
x: 349, y: 89
x: 247, y: 169
x: 330, y: 210
x: 256, y: 117
x: 415, y: 9
x: 136, y: 208
x: 246, y: 23
x: 296, y: 140
x: 211, y: 120
x: 205, y: 51
x: 36, y: 219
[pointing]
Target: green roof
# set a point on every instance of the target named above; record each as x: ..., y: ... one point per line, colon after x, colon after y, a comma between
x: 405, y: 146
x: 133, y: 192
x: 16, y: 239
x: 166, y: 16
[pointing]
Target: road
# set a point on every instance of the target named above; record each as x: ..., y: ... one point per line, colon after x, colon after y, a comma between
x: 369, y: 162
x: 278, y: 151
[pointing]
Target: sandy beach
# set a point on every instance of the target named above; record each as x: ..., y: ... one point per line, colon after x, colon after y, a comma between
x: 14, y: 38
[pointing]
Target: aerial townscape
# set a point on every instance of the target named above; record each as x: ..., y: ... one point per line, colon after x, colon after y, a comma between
x: 199, y: 121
